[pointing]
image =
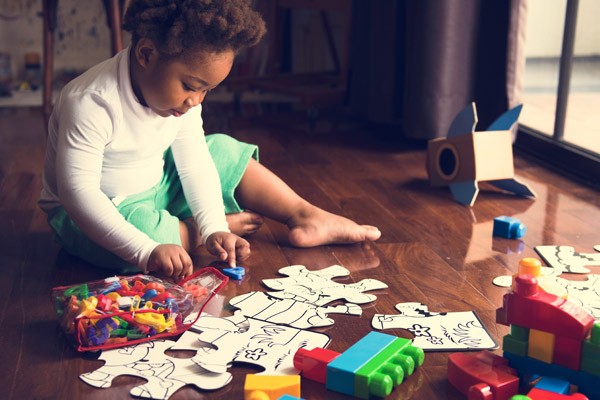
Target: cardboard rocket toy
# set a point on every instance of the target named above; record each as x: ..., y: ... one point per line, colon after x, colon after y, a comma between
x: 465, y: 157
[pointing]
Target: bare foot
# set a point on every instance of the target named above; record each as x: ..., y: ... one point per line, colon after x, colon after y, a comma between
x: 314, y: 226
x: 244, y: 223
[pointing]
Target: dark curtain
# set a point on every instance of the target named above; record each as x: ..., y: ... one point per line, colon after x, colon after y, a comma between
x: 417, y: 63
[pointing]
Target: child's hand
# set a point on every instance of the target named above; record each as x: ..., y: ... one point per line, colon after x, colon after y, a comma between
x: 170, y: 260
x: 228, y: 246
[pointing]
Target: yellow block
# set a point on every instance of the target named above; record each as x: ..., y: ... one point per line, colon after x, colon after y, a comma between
x: 541, y: 345
x: 271, y: 387
x: 531, y: 266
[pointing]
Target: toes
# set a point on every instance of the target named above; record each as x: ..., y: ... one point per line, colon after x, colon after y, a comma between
x: 372, y: 233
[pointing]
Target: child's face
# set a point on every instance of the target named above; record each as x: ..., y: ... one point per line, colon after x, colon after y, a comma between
x: 173, y: 87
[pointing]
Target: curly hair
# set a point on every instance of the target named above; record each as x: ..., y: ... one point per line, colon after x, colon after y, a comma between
x: 212, y: 25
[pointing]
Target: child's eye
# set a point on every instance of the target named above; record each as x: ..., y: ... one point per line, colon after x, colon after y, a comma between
x: 187, y: 87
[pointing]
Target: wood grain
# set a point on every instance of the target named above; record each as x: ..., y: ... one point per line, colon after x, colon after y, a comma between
x: 433, y: 250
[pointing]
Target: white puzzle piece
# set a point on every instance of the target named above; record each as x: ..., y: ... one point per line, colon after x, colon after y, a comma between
x: 164, y: 375
x: 566, y: 259
x: 317, y: 288
x: 294, y: 313
x: 252, y: 341
x: 585, y: 293
x: 506, y: 280
x: 437, y: 331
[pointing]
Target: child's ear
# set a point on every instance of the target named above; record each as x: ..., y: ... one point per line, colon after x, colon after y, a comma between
x: 145, y: 52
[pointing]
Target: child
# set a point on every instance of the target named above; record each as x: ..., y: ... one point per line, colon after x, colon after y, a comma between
x: 129, y: 178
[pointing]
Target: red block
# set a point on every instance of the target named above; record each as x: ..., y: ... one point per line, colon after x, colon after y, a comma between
x: 540, y: 394
x: 531, y: 308
x: 482, y: 375
x: 313, y: 363
x: 567, y: 352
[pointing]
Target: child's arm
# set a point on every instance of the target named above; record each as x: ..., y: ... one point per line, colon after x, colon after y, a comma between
x: 85, y: 130
x: 199, y: 177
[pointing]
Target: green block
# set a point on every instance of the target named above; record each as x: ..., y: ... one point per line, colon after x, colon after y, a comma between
x: 595, y: 334
x: 513, y: 345
x: 590, y: 357
x: 387, y: 369
x: 519, y: 333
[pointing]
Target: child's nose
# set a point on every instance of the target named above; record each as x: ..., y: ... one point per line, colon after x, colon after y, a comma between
x: 195, y: 99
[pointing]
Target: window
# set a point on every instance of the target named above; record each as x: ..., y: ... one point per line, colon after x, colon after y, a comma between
x: 561, y: 88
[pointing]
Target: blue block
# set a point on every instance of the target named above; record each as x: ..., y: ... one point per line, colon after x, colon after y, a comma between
x: 340, y: 371
x: 528, y: 365
x: 554, y: 385
x: 588, y: 384
x: 236, y: 273
x: 507, y: 227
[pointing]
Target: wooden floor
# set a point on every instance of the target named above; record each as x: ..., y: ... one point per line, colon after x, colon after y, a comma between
x: 432, y: 250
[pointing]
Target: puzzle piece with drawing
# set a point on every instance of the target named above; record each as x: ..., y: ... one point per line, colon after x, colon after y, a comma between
x: 585, y: 293
x: 289, y: 312
x: 437, y: 331
x: 164, y: 375
x: 566, y: 259
x: 317, y: 287
x: 247, y: 340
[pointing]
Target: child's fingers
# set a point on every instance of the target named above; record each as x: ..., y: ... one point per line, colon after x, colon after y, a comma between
x: 232, y: 247
x: 218, y: 250
x: 242, y: 249
x: 184, y: 266
x: 166, y: 268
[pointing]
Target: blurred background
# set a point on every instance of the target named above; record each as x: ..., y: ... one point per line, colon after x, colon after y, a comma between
x: 404, y: 68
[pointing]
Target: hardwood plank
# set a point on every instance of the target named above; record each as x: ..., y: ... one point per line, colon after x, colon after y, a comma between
x: 433, y: 250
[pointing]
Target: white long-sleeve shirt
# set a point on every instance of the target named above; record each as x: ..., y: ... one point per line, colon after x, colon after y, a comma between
x: 103, y: 145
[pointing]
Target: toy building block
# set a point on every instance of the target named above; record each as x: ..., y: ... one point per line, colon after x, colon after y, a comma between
x: 533, y: 266
x: 590, y: 353
x: 482, y: 375
x: 340, y: 371
x: 529, y: 307
x: 387, y: 369
x: 517, y: 341
x: 541, y: 345
x: 553, y: 385
x: 541, y: 394
x: 288, y: 397
x: 586, y: 383
x: 271, y: 387
x: 313, y: 363
x: 465, y: 157
x: 509, y: 228
x: 567, y: 352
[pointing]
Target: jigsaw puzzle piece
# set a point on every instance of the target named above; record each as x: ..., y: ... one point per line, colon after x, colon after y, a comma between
x: 317, y: 288
x: 437, y: 331
x: 263, y: 344
x: 566, y: 259
x: 585, y: 293
x: 290, y: 312
x: 299, y: 275
x: 164, y: 375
